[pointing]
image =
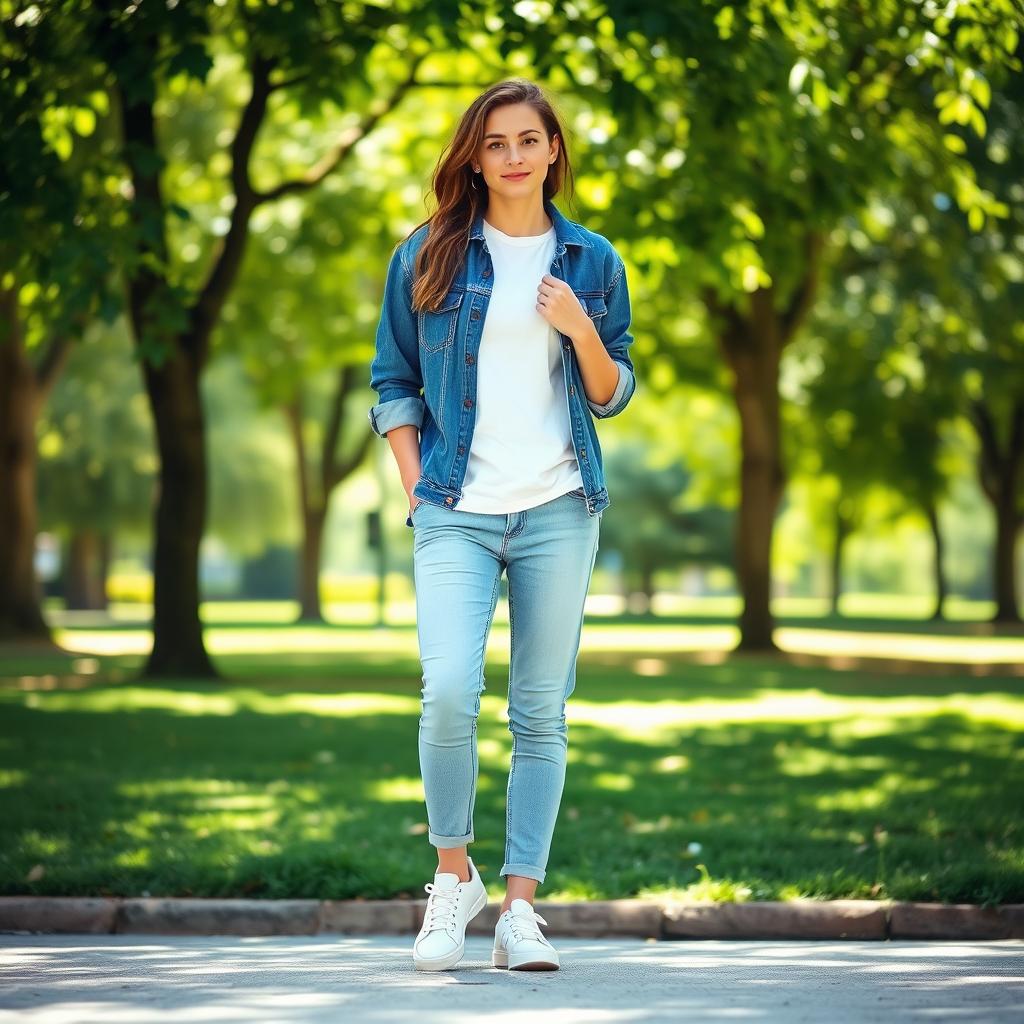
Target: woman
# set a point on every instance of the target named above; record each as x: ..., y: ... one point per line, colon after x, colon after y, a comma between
x: 513, y: 321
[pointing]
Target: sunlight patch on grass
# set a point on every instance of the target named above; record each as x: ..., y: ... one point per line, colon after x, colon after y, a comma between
x: 129, y: 698
x: 671, y: 764
x: 228, y: 702
x: 969, y: 649
x: 614, y: 780
x: 878, y: 793
x: 142, y: 857
x: 707, y: 890
x: 489, y: 749
x: 208, y: 788
x: 34, y: 844
x: 663, y: 824
x: 654, y: 722
x: 803, y: 760
x: 399, y: 789
x: 646, y: 640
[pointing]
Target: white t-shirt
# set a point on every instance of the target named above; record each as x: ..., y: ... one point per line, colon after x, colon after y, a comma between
x: 521, y: 454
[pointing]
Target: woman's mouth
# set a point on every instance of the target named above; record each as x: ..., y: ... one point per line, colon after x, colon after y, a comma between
x: 516, y: 177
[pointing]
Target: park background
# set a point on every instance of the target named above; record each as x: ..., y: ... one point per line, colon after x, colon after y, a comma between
x: 801, y: 664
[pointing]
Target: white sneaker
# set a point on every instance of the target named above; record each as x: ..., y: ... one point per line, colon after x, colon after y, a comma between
x: 518, y: 943
x: 441, y: 942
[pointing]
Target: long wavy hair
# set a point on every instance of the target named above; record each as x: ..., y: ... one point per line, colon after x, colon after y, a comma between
x: 460, y: 192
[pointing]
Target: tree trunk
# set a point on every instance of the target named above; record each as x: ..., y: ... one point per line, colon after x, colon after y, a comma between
x: 1005, y: 569
x: 999, y: 471
x: 172, y: 362
x: 752, y: 343
x: 85, y: 579
x: 309, y: 564
x: 937, y: 565
x: 842, y: 532
x: 180, y: 515
x: 755, y: 386
x: 316, y: 484
x: 647, y: 583
x: 21, y: 616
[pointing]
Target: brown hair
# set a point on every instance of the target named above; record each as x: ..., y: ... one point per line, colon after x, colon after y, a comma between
x: 459, y: 199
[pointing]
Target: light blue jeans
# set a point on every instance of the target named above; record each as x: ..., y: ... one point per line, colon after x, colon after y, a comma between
x: 548, y: 553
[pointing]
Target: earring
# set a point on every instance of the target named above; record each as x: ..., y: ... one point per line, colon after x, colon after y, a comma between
x: 472, y: 181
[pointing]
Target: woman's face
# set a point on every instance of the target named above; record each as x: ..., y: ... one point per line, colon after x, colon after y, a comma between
x: 515, y: 143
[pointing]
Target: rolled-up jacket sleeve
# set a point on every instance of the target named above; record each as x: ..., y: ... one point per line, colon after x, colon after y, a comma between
x: 613, y: 329
x: 395, y: 370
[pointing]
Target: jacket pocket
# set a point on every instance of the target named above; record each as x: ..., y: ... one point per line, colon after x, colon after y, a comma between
x: 596, y: 307
x: 437, y: 327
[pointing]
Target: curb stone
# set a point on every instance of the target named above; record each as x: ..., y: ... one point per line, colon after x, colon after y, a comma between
x: 791, y: 919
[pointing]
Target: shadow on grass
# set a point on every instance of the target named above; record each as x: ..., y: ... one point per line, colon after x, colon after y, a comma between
x: 206, y: 798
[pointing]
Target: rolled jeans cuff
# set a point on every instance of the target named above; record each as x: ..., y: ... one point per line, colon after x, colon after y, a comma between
x: 449, y: 842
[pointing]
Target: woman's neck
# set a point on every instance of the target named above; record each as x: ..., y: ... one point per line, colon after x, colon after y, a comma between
x: 520, y: 219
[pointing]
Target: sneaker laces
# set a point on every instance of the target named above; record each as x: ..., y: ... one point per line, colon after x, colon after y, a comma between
x: 441, y: 907
x: 524, y: 926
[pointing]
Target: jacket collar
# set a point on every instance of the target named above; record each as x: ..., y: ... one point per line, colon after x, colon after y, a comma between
x: 566, y: 233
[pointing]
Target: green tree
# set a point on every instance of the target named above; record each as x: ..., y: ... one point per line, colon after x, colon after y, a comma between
x: 875, y: 389
x: 299, y: 322
x: 97, y: 462
x: 775, y: 121
x: 656, y: 525
x: 292, y: 52
x: 60, y: 212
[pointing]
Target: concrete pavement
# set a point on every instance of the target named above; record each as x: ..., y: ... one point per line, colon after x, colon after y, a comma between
x: 116, y: 979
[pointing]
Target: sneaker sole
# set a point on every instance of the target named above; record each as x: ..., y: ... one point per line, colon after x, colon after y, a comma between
x: 442, y: 963
x: 499, y: 958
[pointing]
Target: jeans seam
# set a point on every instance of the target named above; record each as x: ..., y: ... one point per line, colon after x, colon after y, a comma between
x: 512, y: 766
x: 479, y: 692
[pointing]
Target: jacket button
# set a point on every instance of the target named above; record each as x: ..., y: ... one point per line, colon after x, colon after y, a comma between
x: 469, y: 359
x: 447, y: 501
x: 487, y: 273
x: 583, y: 452
x: 572, y: 389
x: 468, y: 402
x: 462, y: 449
x: 475, y: 315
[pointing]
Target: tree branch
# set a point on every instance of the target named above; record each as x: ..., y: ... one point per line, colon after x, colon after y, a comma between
x: 355, y: 458
x: 350, y: 379
x: 52, y: 363
x: 287, y: 83
x: 206, y: 310
x: 989, y: 463
x: 733, y: 331
x: 329, y: 449
x: 293, y: 413
x: 331, y: 161
x: 803, y: 298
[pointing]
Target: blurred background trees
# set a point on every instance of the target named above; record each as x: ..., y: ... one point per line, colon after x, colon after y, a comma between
x: 820, y: 209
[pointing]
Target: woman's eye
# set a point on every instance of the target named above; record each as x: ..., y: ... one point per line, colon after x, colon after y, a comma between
x: 493, y: 144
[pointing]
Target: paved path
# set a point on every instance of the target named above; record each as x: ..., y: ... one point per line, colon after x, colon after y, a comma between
x: 115, y: 979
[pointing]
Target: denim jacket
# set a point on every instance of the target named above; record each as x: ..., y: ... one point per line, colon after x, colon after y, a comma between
x: 436, y: 353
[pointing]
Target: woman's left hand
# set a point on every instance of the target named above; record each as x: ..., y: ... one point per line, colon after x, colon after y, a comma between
x: 557, y: 303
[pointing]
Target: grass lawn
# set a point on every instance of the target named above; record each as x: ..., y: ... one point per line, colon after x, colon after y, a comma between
x: 728, y: 778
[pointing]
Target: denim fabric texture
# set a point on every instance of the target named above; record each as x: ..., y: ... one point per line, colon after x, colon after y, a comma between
x: 425, y: 366
x: 548, y: 553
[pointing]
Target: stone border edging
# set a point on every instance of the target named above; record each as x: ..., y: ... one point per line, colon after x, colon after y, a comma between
x: 793, y: 919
